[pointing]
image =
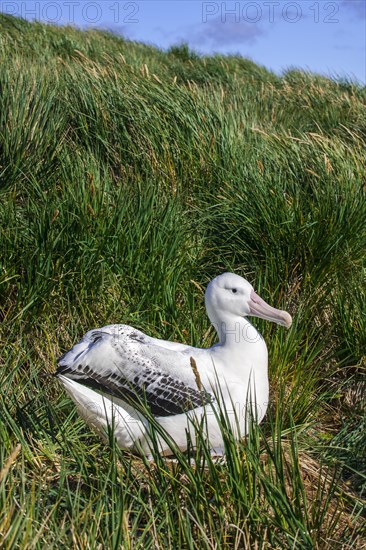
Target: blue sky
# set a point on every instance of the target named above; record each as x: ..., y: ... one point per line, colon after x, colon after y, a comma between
x: 328, y: 37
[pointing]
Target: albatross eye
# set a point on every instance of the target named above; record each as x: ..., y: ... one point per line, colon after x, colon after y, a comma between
x: 234, y: 290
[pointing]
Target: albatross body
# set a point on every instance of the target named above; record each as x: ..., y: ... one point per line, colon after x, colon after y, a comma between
x: 112, y: 370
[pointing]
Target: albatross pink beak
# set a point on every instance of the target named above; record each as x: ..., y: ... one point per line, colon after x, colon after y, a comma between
x: 260, y: 308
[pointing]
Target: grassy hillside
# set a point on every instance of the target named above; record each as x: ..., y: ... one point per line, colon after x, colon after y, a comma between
x: 129, y: 177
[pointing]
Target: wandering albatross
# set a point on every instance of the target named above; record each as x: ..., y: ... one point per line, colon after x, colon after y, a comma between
x: 112, y: 369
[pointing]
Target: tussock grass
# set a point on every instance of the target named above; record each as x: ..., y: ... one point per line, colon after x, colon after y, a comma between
x: 128, y: 178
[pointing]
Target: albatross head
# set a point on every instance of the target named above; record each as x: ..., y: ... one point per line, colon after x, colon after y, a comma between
x: 231, y: 295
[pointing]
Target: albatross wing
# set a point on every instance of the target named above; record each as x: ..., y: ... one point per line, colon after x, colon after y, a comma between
x: 123, y: 362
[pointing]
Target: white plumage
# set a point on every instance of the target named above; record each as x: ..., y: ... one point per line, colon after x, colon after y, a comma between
x: 112, y: 370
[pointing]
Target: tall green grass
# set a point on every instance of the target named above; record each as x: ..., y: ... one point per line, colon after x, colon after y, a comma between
x: 129, y: 177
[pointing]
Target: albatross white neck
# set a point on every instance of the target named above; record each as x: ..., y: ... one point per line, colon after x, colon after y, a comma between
x: 235, y: 331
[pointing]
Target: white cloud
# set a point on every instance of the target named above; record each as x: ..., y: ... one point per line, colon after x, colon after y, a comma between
x: 215, y: 33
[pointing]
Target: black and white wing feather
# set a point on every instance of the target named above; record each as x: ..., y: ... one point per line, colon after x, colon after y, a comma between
x: 125, y: 363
